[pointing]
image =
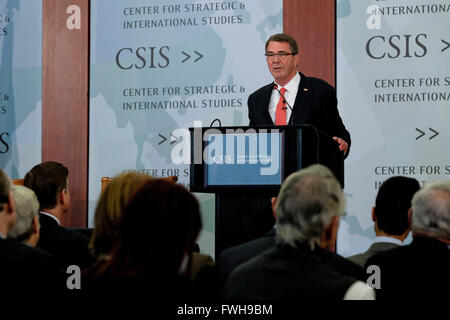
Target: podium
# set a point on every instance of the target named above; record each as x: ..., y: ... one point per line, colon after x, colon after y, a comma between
x: 245, y: 167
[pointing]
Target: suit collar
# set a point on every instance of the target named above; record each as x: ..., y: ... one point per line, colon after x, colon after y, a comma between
x: 388, y: 240
x: 48, y: 218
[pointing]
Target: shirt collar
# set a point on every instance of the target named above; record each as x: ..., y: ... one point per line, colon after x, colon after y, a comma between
x: 51, y: 216
x: 292, y: 85
x: 388, y: 239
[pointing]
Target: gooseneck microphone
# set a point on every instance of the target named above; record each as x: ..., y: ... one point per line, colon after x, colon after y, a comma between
x: 275, y: 87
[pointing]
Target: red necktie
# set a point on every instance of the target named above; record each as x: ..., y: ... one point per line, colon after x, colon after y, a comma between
x: 280, y: 112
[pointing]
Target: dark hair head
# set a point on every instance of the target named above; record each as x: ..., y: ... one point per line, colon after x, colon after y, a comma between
x: 283, y: 37
x: 47, y: 180
x: 159, y: 226
x: 393, y: 202
x: 5, y: 188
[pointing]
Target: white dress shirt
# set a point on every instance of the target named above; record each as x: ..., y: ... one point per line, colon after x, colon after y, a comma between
x: 290, y: 95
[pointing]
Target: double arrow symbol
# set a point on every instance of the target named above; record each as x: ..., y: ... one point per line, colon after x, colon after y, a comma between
x: 447, y: 43
x: 172, y: 140
x: 189, y: 56
x: 423, y: 133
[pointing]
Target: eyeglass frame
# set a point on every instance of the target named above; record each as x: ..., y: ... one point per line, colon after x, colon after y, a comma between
x: 280, y: 54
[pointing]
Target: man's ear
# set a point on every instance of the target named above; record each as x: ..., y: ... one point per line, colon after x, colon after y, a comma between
x: 11, y: 205
x: 410, y: 213
x: 374, y: 217
x: 273, y: 201
x: 35, y: 225
x: 297, y: 60
x: 329, y: 235
x: 11, y: 211
x: 63, y: 198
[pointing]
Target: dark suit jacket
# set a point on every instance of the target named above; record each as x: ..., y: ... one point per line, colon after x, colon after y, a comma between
x: 282, y: 272
x: 374, y: 249
x: 232, y: 257
x: 416, y: 271
x: 27, y: 269
x: 316, y: 106
x: 68, y: 246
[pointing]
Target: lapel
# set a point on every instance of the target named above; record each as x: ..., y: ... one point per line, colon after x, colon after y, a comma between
x: 298, y: 111
x: 266, y: 96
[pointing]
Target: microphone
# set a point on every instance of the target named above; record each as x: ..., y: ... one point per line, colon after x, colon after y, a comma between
x: 275, y: 87
x: 220, y: 122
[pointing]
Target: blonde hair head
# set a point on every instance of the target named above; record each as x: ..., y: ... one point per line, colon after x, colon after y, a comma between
x: 110, y: 207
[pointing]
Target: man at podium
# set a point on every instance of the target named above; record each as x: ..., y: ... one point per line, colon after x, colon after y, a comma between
x: 293, y: 98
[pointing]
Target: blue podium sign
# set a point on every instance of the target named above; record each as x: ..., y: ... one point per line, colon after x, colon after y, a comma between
x: 246, y: 158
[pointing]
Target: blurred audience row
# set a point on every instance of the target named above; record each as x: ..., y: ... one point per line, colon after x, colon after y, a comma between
x: 145, y: 232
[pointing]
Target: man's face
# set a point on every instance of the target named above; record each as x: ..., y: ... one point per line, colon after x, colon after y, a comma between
x: 282, y: 68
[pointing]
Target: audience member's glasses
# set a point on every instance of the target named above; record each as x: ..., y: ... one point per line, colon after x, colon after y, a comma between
x: 281, y: 54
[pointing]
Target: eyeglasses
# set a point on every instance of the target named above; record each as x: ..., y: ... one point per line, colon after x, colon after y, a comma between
x: 281, y: 54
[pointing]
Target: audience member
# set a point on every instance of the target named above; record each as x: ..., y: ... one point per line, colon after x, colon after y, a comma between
x: 420, y: 270
x: 308, y: 209
x: 153, y: 247
x: 50, y: 183
x: 23, y: 268
x: 391, y: 216
x: 109, y: 211
x: 232, y: 257
x: 26, y: 229
x: 108, y: 215
x: 7, y: 206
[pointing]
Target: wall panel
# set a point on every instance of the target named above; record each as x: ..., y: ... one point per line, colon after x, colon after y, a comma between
x: 312, y: 23
x: 65, y: 78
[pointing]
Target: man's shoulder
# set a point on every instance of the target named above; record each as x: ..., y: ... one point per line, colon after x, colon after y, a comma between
x: 258, y: 244
x: 374, y: 249
x: 391, y: 256
x: 263, y: 90
x: 248, y: 268
x: 24, y: 252
x: 343, y: 266
x: 359, y: 258
x: 61, y: 237
x: 314, y: 82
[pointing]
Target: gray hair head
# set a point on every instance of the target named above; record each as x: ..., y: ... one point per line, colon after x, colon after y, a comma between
x: 307, y: 202
x: 431, y: 209
x: 27, y: 208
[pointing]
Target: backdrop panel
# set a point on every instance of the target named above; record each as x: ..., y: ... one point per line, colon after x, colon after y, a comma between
x: 156, y: 68
x: 393, y: 86
x: 20, y: 85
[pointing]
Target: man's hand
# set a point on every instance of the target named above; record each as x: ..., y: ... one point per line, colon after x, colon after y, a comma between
x: 343, y: 146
